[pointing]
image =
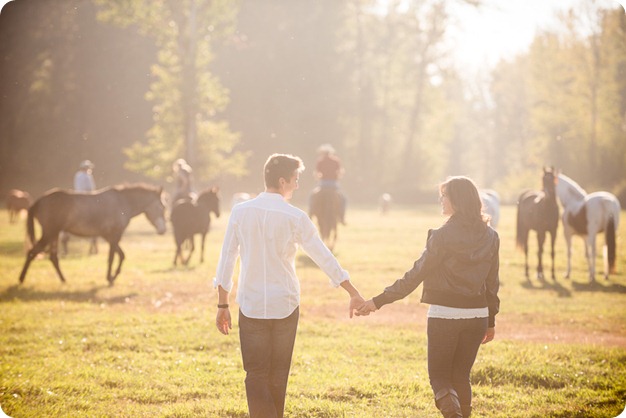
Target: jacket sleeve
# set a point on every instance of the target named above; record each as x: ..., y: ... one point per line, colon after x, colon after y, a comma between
x: 493, y: 285
x: 431, y: 257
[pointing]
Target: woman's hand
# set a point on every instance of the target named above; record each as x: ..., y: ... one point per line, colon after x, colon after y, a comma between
x: 489, y: 335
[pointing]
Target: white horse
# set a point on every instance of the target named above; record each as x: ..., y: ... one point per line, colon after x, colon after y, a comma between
x: 587, y: 215
x: 491, y: 205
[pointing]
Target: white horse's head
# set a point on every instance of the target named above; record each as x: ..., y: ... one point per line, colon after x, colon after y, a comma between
x: 569, y: 191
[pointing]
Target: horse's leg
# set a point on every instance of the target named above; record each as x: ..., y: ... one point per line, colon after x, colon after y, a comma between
x: 567, y: 232
x: 121, y: 257
x: 64, y: 237
x: 541, y: 239
x: 590, y: 244
x: 552, y: 242
x: 525, y: 248
x: 605, y: 261
x: 54, y: 258
x: 191, y: 248
x: 113, y: 249
x: 93, y: 246
x: 202, y: 249
x: 39, y: 247
x: 110, y: 278
x: 177, y: 255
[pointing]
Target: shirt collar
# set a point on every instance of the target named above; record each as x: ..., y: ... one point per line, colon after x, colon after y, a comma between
x: 273, y: 196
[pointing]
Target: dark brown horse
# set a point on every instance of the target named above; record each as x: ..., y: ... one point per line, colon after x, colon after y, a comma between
x: 190, y: 218
x: 325, y: 205
x: 105, y: 213
x: 17, y: 201
x: 539, y: 211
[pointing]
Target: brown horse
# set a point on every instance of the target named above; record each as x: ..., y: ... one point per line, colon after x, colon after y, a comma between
x: 326, y: 207
x: 190, y: 218
x: 539, y: 211
x: 105, y: 213
x: 17, y: 201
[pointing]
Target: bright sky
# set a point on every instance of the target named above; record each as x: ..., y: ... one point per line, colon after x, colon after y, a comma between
x: 503, y: 28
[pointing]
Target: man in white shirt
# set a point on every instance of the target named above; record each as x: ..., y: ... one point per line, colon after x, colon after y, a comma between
x: 266, y: 232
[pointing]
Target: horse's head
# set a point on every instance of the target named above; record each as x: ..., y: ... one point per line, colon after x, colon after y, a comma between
x: 550, y: 179
x: 211, y: 200
x: 155, y: 211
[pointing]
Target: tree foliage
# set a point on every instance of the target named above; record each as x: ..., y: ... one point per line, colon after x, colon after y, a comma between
x: 136, y: 84
x: 186, y: 95
x: 562, y: 103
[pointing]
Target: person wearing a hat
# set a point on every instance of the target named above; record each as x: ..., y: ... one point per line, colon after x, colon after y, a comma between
x: 183, y: 182
x: 83, y: 183
x: 83, y: 179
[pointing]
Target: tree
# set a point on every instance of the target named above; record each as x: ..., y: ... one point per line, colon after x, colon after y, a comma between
x: 186, y: 96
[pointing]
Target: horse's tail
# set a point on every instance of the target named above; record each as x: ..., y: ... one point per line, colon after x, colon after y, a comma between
x: 609, y: 235
x: 521, y: 237
x: 30, y: 224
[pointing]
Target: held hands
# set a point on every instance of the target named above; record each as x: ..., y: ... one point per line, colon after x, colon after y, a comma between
x: 366, y: 308
x: 355, y: 303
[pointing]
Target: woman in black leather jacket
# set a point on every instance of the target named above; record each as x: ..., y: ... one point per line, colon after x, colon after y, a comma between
x: 459, y: 269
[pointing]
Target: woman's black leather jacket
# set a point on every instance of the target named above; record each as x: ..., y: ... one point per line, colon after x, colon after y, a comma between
x: 459, y: 268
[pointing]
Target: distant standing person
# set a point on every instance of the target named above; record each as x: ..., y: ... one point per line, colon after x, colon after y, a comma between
x: 83, y: 183
x: 183, y: 180
x: 266, y: 232
x: 83, y: 179
x: 328, y: 171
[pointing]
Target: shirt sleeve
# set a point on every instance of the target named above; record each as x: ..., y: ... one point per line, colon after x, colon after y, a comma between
x: 312, y: 244
x: 228, y: 258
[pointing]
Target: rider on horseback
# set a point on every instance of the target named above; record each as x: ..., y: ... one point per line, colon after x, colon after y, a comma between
x: 328, y: 169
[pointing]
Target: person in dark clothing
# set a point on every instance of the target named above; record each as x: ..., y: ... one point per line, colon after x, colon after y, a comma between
x: 460, y: 271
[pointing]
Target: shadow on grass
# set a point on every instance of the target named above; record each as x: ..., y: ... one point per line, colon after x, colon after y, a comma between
x: 599, y: 287
x: 90, y: 295
x: 554, y: 286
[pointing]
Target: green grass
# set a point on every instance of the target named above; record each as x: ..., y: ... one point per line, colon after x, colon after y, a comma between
x: 147, y: 347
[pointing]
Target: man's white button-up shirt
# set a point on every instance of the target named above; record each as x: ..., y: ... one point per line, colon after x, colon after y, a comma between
x: 266, y: 232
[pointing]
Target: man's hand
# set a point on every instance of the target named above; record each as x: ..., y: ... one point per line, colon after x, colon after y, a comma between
x: 222, y: 321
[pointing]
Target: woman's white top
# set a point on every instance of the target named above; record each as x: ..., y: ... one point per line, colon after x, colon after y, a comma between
x: 446, y: 312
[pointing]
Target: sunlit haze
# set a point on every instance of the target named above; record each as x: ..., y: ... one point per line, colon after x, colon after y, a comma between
x: 502, y: 29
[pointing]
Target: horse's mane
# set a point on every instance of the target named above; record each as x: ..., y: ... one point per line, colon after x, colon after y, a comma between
x: 129, y: 186
x: 572, y: 184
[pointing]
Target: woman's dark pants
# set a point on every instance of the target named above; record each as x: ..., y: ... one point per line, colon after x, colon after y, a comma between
x: 266, y: 349
x: 452, y: 348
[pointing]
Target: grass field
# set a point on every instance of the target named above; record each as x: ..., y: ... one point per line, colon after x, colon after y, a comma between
x: 147, y: 347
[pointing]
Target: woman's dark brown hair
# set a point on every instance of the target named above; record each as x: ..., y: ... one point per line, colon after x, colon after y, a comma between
x: 464, y: 198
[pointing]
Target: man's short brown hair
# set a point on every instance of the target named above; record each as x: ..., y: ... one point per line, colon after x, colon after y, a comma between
x: 281, y: 165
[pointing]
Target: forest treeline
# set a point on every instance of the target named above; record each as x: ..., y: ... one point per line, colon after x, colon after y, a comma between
x: 135, y: 84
